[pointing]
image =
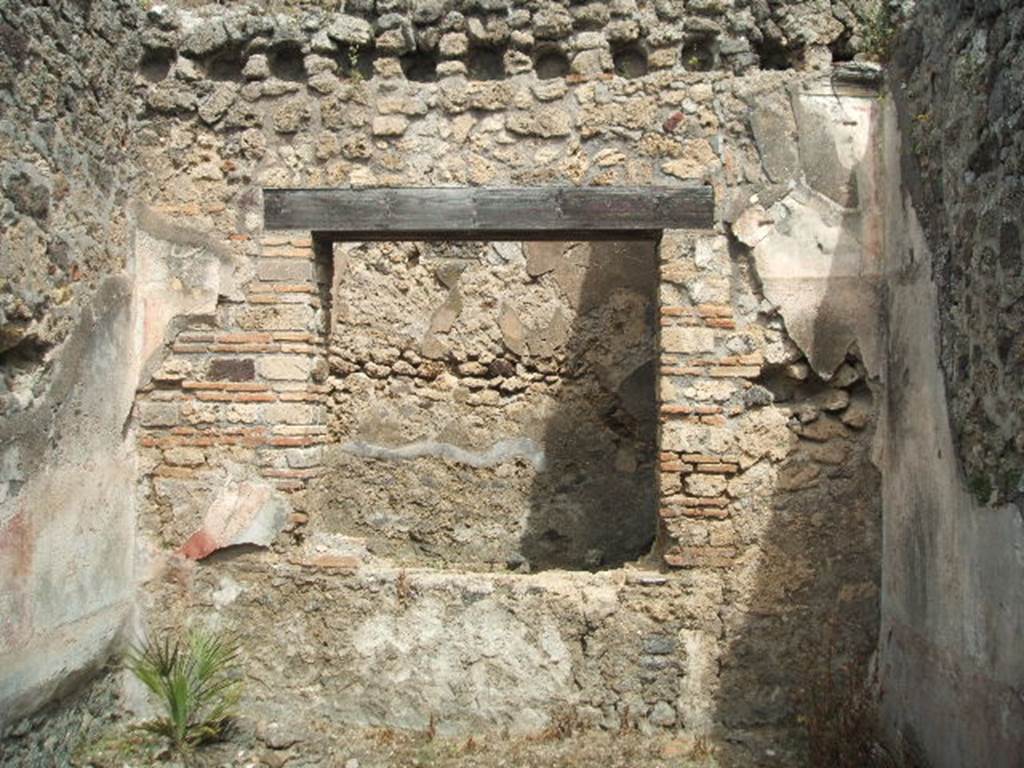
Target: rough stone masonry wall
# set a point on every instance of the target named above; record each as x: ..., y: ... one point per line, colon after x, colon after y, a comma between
x: 767, y: 518
x: 953, y: 600
x: 495, y: 403
x: 67, y: 359
x: 765, y: 405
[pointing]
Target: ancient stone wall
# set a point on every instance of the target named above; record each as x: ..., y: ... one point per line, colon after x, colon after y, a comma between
x: 67, y: 358
x: 953, y: 606
x: 528, y: 370
x: 623, y: 483
x: 411, y: 430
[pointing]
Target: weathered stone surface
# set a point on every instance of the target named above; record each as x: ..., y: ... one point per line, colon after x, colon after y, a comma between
x: 392, y: 125
x: 481, y: 405
x: 350, y: 30
x: 232, y: 369
x: 512, y: 331
x: 287, y: 270
x: 697, y: 157
x: 496, y: 413
x: 291, y: 116
x: 285, y: 367
x: 687, y: 340
x: 184, y: 457
x: 159, y: 414
x: 216, y: 105
x: 546, y: 122
x: 775, y: 132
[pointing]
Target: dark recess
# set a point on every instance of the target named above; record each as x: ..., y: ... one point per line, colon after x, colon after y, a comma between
x: 630, y: 61
x: 286, y: 63
x: 356, y: 61
x: 155, y: 64
x: 420, y: 67
x: 774, y: 55
x: 699, y: 54
x: 550, y: 63
x: 225, y: 66
x: 486, y: 63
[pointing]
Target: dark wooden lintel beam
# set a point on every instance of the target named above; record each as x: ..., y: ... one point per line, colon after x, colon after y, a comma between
x: 488, y: 235
x: 476, y: 213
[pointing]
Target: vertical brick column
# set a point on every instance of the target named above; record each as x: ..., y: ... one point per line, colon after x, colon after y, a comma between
x: 247, y: 389
x: 700, y: 388
x: 293, y: 289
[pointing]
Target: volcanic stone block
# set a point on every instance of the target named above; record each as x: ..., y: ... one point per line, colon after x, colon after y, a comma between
x: 232, y: 369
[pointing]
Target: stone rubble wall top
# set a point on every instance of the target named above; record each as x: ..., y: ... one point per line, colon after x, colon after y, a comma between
x: 624, y: 36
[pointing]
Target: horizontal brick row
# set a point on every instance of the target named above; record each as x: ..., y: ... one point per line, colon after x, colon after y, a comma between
x: 701, y: 310
x: 700, y: 557
x: 713, y: 371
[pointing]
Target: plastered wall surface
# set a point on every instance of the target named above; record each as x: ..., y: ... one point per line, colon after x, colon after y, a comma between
x: 951, y: 596
x: 67, y: 471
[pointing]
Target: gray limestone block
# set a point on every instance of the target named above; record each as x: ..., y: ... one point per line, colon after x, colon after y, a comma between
x: 774, y: 130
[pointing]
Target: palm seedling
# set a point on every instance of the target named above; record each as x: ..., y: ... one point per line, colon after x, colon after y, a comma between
x: 196, y: 681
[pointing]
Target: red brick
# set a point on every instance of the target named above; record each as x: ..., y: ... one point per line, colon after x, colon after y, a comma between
x: 244, y: 386
x: 327, y: 560
x: 719, y: 469
x: 282, y: 298
x: 202, y: 385
x: 714, y: 310
x: 676, y: 466
x: 301, y: 397
x: 294, y: 440
x: 286, y: 252
x: 244, y: 338
x: 293, y: 336
x: 188, y: 349
x: 703, y: 458
x: 214, y: 396
x: 243, y: 348
x: 700, y: 410
x: 255, y: 397
x: 720, y: 322
x: 738, y: 371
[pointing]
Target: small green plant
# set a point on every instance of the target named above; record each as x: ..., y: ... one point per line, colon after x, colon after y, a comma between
x: 352, y: 54
x: 980, y: 486
x: 197, y: 683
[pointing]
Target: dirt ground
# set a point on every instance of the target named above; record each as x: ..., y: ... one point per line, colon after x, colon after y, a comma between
x: 380, y: 748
